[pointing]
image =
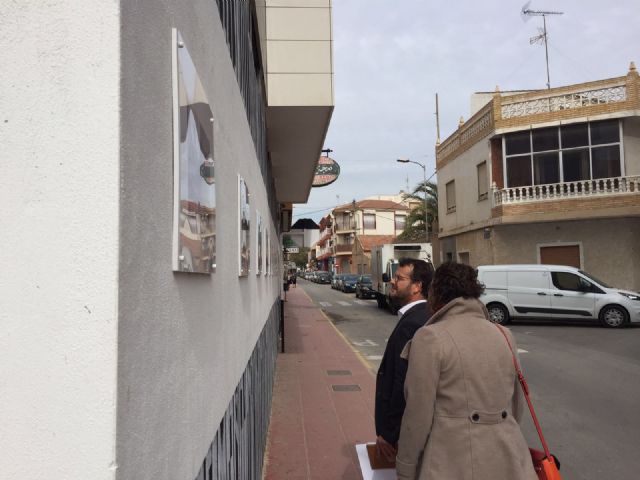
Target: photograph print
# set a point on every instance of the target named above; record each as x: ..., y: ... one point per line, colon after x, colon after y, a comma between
x: 194, y: 229
x: 244, y: 230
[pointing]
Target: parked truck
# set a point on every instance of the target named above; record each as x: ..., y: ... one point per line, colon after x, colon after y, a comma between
x: 384, y: 262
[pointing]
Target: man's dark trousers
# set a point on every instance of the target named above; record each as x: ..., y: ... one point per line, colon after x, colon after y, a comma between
x: 390, y: 401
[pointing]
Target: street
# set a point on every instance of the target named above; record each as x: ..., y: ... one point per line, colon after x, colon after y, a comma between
x: 584, y: 382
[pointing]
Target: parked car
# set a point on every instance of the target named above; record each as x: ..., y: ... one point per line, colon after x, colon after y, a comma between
x: 554, y: 291
x: 336, y: 281
x: 323, y: 277
x: 349, y: 283
x: 364, y: 287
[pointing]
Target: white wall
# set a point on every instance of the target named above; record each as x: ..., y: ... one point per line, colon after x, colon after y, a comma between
x: 59, y: 190
x: 464, y: 171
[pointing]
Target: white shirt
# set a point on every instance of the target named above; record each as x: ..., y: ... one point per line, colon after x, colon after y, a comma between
x: 404, y: 309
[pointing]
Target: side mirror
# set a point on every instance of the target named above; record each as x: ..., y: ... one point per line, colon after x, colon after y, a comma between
x: 385, y: 278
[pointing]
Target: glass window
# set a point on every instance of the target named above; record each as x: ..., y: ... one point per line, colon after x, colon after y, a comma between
x: 369, y: 221
x: 575, y: 165
x: 605, y: 132
x: 546, y: 168
x: 483, y: 183
x: 451, y: 196
x: 518, y: 142
x: 401, y: 222
x: 545, y: 139
x: 574, y: 135
x: 566, y: 281
x: 606, y: 161
x: 518, y: 171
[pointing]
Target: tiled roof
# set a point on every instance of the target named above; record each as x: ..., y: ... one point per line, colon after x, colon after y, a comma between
x: 305, y: 224
x: 373, y: 205
x: 368, y: 241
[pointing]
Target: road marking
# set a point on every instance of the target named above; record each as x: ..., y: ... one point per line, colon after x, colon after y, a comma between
x: 344, y: 304
x: 366, y: 343
x: 373, y: 357
x: 360, y: 302
x: 520, y: 350
x: 324, y: 304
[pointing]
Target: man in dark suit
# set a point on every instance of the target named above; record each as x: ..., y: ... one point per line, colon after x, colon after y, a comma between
x: 409, y: 288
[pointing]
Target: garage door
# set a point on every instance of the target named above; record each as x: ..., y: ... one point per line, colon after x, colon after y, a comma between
x: 561, y: 255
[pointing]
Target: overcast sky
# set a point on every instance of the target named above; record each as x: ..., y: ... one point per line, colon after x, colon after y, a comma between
x: 391, y: 57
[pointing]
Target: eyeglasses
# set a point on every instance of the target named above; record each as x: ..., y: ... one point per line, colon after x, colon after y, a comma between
x: 397, y: 278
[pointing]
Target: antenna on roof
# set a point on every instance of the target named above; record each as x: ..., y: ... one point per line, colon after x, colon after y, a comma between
x: 527, y: 13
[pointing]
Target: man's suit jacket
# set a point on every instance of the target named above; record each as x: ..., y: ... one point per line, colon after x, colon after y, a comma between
x: 393, y: 369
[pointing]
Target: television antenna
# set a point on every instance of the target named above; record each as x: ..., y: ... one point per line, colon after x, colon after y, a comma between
x: 526, y: 13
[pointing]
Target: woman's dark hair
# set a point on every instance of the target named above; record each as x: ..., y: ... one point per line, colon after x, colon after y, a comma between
x: 453, y: 280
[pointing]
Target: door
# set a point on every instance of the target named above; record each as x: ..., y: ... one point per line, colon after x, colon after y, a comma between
x: 573, y: 296
x: 529, y: 292
x: 568, y: 255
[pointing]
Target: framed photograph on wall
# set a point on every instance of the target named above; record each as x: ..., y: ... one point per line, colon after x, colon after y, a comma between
x: 194, y: 219
x: 244, y: 228
x: 259, y: 250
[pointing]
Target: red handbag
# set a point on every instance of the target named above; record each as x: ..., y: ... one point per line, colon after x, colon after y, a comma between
x: 545, y: 464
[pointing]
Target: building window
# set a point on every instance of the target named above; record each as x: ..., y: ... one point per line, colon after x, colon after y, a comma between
x: 568, y: 153
x: 483, y: 183
x: 369, y: 220
x: 451, y: 196
x: 401, y: 222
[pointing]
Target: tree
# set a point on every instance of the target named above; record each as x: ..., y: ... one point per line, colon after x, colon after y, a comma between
x: 300, y: 258
x: 414, y: 230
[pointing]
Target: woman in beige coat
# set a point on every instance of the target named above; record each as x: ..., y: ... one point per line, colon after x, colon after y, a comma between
x: 463, y: 397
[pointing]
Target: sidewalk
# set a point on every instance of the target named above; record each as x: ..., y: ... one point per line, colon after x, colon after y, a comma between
x: 323, y: 400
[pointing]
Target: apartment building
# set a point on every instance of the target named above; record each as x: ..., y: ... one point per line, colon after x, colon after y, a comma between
x: 323, y: 248
x: 382, y: 219
x: 549, y: 176
x: 148, y: 150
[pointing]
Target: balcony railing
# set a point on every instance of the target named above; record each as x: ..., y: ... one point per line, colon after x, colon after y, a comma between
x: 345, y: 226
x: 564, y: 190
x: 344, y: 248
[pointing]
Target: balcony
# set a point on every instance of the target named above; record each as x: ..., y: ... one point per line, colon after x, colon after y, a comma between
x: 344, y: 227
x: 344, y: 249
x: 567, y: 190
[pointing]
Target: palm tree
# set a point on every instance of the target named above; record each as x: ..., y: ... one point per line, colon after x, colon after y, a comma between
x: 414, y: 229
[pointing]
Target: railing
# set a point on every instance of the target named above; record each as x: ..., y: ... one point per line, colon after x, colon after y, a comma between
x: 344, y: 248
x: 345, y: 226
x: 564, y: 190
x: 578, y: 99
x: 478, y: 126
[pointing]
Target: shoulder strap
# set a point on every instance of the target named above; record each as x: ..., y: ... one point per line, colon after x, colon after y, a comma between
x: 525, y: 390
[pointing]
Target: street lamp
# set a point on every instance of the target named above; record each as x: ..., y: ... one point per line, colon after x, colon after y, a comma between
x: 424, y: 173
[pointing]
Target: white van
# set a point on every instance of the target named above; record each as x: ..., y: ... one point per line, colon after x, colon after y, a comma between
x: 554, y: 291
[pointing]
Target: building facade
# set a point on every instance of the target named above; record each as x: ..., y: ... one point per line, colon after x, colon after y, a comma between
x: 550, y: 176
x: 304, y: 233
x: 368, y: 218
x: 116, y: 363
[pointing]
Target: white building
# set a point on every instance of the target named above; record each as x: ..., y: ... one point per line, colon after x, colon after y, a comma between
x: 114, y: 364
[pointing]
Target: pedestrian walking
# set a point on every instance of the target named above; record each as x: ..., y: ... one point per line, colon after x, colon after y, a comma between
x: 463, y: 398
x: 409, y: 288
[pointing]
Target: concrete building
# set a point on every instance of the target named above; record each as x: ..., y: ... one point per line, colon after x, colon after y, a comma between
x: 323, y: 248
x: 366, y: 217
x: 116, y: 363
x: 549, y: 176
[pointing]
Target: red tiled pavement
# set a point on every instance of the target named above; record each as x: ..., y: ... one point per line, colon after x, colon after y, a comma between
x: 314, y: 429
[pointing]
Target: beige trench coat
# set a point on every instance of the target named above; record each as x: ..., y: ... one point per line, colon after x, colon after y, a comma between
x: 463, y: 401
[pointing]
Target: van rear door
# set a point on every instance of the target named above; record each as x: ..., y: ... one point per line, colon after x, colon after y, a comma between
x: 529, y: 292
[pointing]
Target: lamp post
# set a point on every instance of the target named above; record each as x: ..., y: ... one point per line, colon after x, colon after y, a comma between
x: 424, y: 174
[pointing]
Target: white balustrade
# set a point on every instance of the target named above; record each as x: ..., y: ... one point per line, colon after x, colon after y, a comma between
x: 564, y: 190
